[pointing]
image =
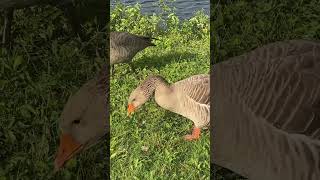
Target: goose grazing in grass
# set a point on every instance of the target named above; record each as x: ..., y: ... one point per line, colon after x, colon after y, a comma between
x: 266, y: 112
x: 124, y: 46
x: 188, y: 97
x: 83, y: 121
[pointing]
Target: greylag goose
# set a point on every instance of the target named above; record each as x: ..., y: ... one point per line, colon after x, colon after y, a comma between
x: 124, y: 46
x: 84, y: 119
x: 188, y: 97
x: 266, y: 112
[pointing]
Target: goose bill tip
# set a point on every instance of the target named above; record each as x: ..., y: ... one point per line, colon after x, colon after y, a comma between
x: 131, y: 109
x: 67, y: 149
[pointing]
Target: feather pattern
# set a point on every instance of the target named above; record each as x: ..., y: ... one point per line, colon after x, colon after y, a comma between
x: 195, y: 99
x: 267, y: 112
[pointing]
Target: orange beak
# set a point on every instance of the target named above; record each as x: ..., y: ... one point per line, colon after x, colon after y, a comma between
x: 67, y: 149
x: 130, y: 109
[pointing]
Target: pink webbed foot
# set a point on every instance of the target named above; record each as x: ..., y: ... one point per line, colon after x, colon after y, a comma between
x: 194, y: 136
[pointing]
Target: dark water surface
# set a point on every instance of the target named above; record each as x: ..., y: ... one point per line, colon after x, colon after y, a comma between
x: 184, y: 8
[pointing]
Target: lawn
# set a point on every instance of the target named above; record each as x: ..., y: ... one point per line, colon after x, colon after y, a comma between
x: 45, y: 66
x: 240, y: 26
x: 150, y: 145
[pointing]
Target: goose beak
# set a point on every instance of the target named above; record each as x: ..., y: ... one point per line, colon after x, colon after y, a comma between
x: 67, y: 149
x: 130, y: 109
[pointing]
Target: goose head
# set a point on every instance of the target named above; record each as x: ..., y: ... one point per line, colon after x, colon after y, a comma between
x: 83, y: 122
x: 144, y: 91
x: 137, y: 98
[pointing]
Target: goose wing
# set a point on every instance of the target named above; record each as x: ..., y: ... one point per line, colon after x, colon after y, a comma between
x: 280, y: 82
x: 195, y: 98
x: 267, y: 109
x: 196, y: 87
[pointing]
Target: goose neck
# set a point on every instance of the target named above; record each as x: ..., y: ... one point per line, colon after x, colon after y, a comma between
x: 154, y: 83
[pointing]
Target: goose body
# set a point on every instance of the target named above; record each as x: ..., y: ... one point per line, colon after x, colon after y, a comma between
x: 188, y: 97
x: 266, y: 112
x: 124, y: 46
x: 84, y: 118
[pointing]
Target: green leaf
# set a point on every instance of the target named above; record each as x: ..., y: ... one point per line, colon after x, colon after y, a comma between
x: 17, y: 62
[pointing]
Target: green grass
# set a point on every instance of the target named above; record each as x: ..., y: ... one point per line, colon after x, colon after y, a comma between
x: 177, y: 56
x: 45, y: 66
x: 242, y: 25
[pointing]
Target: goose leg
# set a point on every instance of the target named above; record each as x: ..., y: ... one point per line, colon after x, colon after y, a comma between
x: 194, y: 136
x: 112, y: 70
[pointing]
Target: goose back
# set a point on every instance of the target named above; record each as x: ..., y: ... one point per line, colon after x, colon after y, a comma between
x: 196, y: 87
x: 266, y: 111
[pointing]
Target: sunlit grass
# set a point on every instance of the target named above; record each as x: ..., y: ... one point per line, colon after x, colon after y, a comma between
x: 150, y: 145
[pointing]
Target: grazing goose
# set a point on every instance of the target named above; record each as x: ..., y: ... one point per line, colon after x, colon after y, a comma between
x: 266, y: 112
x: 188, y: 97
x: 84, y: 119
x: 124, y: 46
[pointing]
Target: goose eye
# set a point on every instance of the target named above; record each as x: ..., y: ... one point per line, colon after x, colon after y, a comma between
x: 77, y: 121
x: 133, y: 99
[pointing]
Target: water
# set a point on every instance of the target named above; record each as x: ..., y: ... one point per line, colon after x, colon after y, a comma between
x: 184, y: 8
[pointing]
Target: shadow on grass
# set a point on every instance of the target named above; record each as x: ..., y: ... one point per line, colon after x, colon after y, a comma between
x: 158, y: 61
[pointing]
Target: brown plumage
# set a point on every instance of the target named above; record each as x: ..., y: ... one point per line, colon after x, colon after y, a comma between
x: 84, y: 118
x: 188, y: 97
x: 266, y: 112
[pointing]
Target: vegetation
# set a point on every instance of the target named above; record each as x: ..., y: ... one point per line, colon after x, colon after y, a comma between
x: 45, y: 66
x: 151, y: 145
x: 242, y: 25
